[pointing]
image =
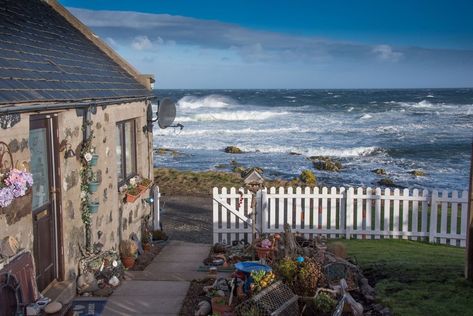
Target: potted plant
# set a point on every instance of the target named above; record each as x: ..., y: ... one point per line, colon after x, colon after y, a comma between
x: 146, y: 241
x: 133, y: 191
x: 264, y: 248
x: 93, y: 184
x: 93, y: 207
x: 93, y: 160
x: 145, y: 184
x: 220, y: 307
x: 128, y: 251
x: 132, y: 194
x: 159, y: 235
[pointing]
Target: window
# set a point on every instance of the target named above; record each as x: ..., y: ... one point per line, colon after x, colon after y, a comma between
x: 126, y: 150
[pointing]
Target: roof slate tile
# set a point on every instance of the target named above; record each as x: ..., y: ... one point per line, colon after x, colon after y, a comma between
x: 44, y: 58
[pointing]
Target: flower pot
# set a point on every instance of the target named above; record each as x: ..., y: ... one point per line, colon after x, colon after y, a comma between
x: 93, y: 207
x: 128, y: 262
x: 93, y: 186
x: 145, y: 184
x: 143, y: 188
x: 263, y: 253
x: 147, y: 247
x: 94, y: 159
x: 219, y: 306
x: 130, y: 198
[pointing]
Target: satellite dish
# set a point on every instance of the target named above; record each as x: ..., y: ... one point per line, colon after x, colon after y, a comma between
x: 166, y: 113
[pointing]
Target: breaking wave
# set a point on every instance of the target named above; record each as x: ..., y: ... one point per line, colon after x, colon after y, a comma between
x: 210, y: 101
x: 249, y: 131
x: 231, y: 116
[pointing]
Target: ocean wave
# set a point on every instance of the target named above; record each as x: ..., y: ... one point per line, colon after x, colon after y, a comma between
x: 424, y: 104
x: 275, y: 149
x: 249, y: 131
x: 366, y: 117
x: 190, y: 102
x: 231, y: 116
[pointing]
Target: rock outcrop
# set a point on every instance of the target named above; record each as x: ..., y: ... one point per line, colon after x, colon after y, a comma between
x: 325, y: 163
x: 233, y: 150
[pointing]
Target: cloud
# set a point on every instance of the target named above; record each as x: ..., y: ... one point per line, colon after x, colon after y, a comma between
x: 111, y: 42
x: 385, y: 52
x: 250, y: 45
x: 141, y: 42
x: 215, y: 54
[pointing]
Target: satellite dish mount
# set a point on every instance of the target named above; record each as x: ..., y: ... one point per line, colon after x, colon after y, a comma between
x: 165, y: 115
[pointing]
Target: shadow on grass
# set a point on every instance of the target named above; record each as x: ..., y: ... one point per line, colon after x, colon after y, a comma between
x: 415, y: 278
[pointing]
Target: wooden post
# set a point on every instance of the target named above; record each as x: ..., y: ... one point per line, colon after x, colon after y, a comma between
x: 469, y: 232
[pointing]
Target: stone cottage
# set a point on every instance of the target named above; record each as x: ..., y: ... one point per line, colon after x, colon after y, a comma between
x: 62, y: 88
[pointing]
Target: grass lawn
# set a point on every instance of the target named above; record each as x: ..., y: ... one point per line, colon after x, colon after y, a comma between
x: 414, y: 278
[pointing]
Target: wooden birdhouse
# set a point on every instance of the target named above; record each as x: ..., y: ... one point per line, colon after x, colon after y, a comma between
x: 253, y: 180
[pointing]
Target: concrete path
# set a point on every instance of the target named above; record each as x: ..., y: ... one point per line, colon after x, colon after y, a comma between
x: 161, y: 288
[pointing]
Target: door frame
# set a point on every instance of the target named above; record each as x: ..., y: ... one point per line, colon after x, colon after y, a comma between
x: 55, y: 191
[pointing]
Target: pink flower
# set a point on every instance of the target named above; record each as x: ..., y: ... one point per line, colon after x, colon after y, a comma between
x: 266, y: 243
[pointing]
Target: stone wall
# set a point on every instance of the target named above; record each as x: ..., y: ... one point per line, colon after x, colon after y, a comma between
x: 115, y: 220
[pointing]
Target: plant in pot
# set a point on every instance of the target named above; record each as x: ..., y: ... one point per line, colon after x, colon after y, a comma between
x: 145, y: 184
x: 93, y: 184
x: 159, y: 235
x: 219, y: 306
x: 146, y: 241
x: 93, y: 206
x: 264, y: 248
x: 133, y: 191
x: 128, y: 251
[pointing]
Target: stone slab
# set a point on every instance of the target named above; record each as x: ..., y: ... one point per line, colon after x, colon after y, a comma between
x: 147, y: 297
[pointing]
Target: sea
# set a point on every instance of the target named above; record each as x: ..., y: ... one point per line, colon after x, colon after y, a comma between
x: 398, y: 130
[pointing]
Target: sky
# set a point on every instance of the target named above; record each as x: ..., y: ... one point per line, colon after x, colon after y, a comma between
x: 211, y: 44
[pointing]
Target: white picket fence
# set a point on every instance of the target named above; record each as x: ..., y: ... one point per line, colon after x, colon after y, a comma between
x: 362, y: 213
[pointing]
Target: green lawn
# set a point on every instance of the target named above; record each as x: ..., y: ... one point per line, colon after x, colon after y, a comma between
x: 415, y: 278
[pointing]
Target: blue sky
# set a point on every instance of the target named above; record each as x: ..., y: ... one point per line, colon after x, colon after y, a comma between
x: 289, y: 44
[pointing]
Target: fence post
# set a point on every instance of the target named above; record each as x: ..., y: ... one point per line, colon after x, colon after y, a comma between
x: 156, y: 208
x: 349, y: 212
x: 215, y: 216
x: 433, y: 216
x: 261, y: 210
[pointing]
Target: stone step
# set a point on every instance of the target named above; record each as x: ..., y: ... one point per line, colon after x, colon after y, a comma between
x: 62, y: 292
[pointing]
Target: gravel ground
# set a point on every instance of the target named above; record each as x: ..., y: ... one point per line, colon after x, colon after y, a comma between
x: 187, y: 218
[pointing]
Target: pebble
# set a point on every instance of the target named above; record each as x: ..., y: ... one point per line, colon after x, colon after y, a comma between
x: 52, y: 308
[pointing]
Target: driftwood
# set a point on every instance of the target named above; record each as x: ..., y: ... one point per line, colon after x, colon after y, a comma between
x: 291, y: 248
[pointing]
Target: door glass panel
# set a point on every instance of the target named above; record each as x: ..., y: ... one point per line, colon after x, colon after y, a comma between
x: 39, y: 166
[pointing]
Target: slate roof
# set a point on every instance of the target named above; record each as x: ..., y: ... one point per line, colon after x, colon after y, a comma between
x: 43, y: 58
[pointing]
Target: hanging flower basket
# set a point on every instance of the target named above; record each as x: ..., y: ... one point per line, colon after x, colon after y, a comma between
x: 93, y: 186
x: 93, y: 160
x: 93, y: 207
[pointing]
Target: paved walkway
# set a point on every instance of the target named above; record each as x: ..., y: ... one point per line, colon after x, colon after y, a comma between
x: 161, y: 288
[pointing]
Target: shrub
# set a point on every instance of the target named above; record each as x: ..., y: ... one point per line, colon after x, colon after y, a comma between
x: 308, y: 177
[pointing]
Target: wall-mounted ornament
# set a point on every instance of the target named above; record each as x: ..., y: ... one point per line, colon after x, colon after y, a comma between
x: 9, y: 120
x: 66, y: 146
